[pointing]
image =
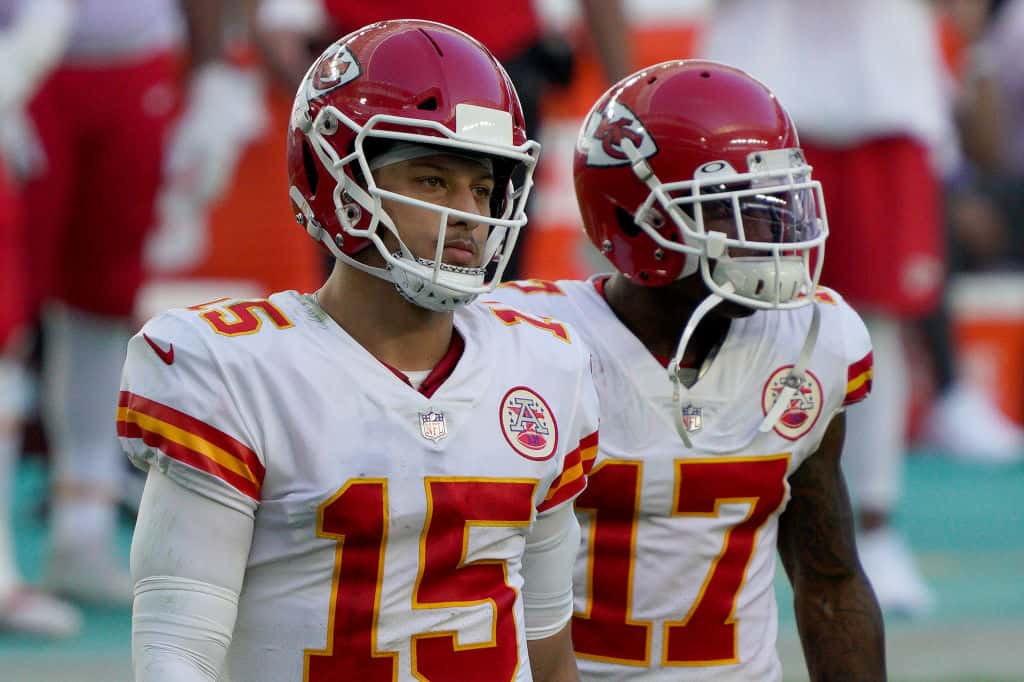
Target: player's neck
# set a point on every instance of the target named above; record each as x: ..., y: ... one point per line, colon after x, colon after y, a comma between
x: 657, y: 316
x: 395, y: 331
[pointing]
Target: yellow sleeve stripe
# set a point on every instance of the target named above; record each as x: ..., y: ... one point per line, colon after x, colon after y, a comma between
x: 859, y: 381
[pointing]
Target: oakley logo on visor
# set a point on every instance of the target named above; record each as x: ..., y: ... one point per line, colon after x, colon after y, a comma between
x: 714, y: 169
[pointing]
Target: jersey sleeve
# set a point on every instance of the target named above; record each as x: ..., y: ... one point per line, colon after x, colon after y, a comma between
x: 178, y: 412
x: 582, y: 449
x: 857, y: 353
x: 538, y: 296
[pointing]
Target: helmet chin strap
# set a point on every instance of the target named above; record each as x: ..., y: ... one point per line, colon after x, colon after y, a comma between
x: 795, y: 378
x: 791, y: 383
x: 702, y: 309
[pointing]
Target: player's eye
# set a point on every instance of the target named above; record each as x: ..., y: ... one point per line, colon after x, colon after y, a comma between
x: 717, y: 210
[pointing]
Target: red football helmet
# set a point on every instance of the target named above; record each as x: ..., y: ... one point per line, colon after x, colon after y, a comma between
x: 400, y: 85
x: 694, y: 166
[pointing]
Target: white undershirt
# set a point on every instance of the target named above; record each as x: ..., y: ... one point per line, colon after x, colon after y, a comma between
x: 416, y: 378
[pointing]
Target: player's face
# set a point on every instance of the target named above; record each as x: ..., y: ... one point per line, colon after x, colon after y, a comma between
x: 449, y: 181
x: 759, y: 224
x: 692, y: 290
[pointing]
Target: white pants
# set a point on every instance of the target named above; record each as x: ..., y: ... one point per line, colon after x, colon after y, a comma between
x: 876, y: 439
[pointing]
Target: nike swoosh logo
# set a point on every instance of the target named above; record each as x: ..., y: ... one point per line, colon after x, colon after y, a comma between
x: 166, y: 355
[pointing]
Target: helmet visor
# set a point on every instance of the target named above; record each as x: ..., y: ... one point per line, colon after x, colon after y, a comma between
x: 757, y: 216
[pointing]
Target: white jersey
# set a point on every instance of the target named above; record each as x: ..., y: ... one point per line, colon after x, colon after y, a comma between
x: 389, y: 522
x: 105, y: 30
x: 845, y: 76
x: 674, y: 576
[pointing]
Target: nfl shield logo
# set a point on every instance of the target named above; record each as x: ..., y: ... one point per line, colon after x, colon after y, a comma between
x: 433, y: 426
x: 693, y: 418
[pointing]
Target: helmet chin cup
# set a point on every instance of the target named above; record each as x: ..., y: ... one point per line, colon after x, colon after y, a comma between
x: 716, y: 244
x: 761, y: 282
x: 414, y: 279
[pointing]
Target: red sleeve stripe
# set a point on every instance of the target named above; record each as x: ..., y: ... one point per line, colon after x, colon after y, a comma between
x: 573, y: 478
x: 858, y: 380
x: 859, y: 394
x: 190, y: 441
x: 861, y: 366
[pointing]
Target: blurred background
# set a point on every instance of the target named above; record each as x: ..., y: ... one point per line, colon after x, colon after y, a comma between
x: 143, y: 146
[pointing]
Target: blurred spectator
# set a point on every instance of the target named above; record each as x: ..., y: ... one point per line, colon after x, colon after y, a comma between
x: 986, y: 205
x: 976, y: 92
x: 983, y: 209
x: 536, y: 59
x: 31, y: 43
x: 97, y: 137
x: 863, y: 81
x: 1001, y: 50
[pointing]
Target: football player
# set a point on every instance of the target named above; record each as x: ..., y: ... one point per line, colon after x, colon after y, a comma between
x: 373, y: 481
x: 723, y: 372
x: 33, y: 36
x: 98, y: 130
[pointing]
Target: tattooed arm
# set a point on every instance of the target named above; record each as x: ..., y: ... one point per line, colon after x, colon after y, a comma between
x: 837, y: 615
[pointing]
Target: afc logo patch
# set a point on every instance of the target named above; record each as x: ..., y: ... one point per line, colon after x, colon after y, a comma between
x: 803, y: 410
x: 528, y: 424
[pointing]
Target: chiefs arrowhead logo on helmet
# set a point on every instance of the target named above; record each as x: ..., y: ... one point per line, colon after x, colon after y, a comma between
x: 334, y: 70
x: 606, y: 130
x: 611, y: 134
x: 336, y: 67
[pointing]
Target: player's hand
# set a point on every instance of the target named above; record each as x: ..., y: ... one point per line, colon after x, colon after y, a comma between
x: 20, y: 146
x: 30, y: 46
x: 224, y: 112
x: 180, y: 239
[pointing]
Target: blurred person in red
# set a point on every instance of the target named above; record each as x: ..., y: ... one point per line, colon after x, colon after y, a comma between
x: 536, y: 58
x: 875, y: 122
x: 31, y: 42
x: 102, y: 136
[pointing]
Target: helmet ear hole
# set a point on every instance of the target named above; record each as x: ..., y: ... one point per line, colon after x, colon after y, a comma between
x: 309, y: 166
x: 626, y: 222
x: 505, y: 172
x: 351, y: 215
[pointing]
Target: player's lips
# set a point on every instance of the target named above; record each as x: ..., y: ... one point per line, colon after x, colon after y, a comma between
x: 460, y: 252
